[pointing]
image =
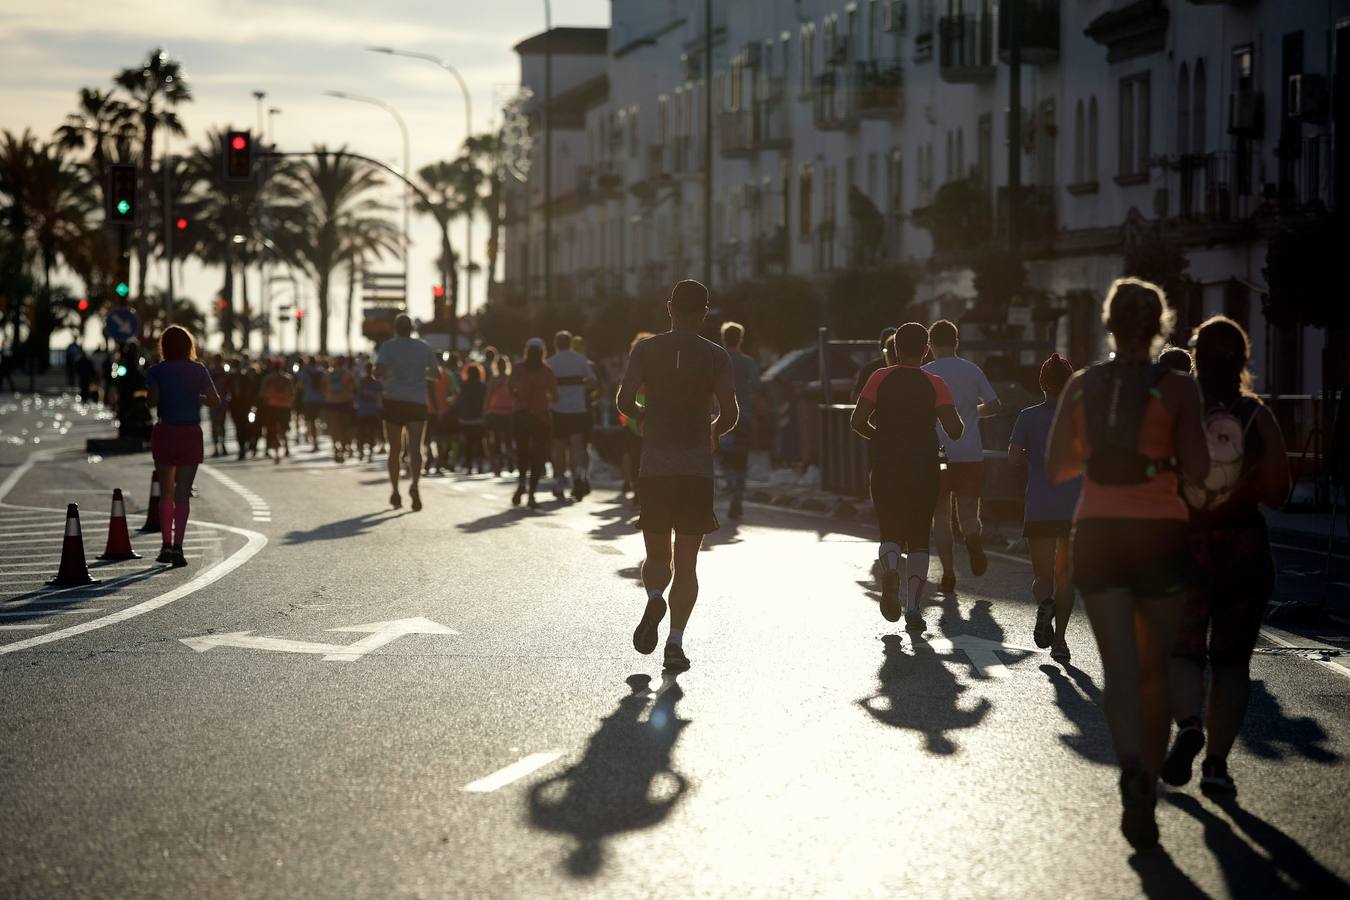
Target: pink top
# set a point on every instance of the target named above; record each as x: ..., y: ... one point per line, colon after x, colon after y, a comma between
x: 1155, y: 499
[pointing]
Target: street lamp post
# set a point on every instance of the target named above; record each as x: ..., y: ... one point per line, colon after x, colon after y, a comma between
x: 268, y: 247
x: 407, y: 164
x: 468, y: 133
x: 548, y: 153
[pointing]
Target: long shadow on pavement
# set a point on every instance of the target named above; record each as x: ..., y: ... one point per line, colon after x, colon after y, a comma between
x: 1079, y: 698
x: 1270, y: 733
x: 343, y: 528
x: 1160, y: 878
x: 53, y: 598
x: 624, y: 782
x: 1246, y: 871
x: 918, y: 692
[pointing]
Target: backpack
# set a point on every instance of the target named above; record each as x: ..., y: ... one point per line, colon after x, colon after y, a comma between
x: 1114, y: 399
x: 1226, y: 428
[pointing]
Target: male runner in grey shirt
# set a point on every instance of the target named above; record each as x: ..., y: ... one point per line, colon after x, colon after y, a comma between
x: 680, y: 375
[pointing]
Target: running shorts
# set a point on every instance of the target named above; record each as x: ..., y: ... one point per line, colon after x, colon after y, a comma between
x: 964, y: 479
x: 567, y: 424
x: 679, y: 503
x: 176, y: 445
x: 403, y: 412
x: 905, y: 496
x: 1232, y: 577
x: 1061, y: 529
x: 1147, y: 557
x: 501, y: 425
x: 310, y: 409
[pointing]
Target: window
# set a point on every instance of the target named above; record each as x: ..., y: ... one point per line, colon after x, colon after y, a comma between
x: 808, y: 62
x: 662, y: 118
x: 948, y: 160
x: 871, y: 176
x: 1079, y: 144
x: 828, y: 202
x: 873, y: 29
x: 804, y: 199
x: 1134, y: 129
x: 633, y: 135
x: 895, y: 183
x: 1092, y: 140
x: 1183, y: 110
x: 960, y: 153
x: 1198, y: 126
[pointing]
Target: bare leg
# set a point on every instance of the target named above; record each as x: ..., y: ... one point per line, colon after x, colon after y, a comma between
x: 1112, y: 616
x: 968, y: 511
x: 656, y: 574
x: 559, y: 465
x: 1063, y: 587
x: 1158, y: 619
x: 1229, y: 686
x: 1186, y: 683
x: 393, y: 433
x: 414, y: 453
x: 684, y: 590
x: 942, y: 536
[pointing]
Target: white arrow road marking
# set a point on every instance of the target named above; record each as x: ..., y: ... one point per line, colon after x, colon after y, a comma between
x: 514, y: 772
x: 377, y: 635
x: 980, y: 652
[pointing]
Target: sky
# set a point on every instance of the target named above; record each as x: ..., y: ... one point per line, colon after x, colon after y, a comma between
x: 294, y: 50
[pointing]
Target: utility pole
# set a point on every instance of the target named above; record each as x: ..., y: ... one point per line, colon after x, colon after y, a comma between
x: 1014, y: 13
x: 707, y: 143
x: 548, y: 153
x: 167, y: 165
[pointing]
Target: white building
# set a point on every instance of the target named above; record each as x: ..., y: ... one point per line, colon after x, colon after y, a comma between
x: 1202, y: 121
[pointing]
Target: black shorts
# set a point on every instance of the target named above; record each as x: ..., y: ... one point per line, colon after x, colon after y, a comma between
x: 679, y: 503
x: 567, y: 424
x: 1060, y: 529
x: 1232, y: 578
x: 500, y: 425
x: 905, y: 496
x: 404, y: 412
x: 1147, y: 557
x: 310, y: 409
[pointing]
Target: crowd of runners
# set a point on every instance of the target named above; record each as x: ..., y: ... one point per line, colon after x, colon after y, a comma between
x: 1144, y: 477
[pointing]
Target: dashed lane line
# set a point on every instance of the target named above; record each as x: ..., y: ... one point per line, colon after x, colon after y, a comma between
x: 514, y: 772
x: 259, y: 507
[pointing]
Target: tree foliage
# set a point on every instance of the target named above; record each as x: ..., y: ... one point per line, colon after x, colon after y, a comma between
x: 862, y: 302
x: 959, y: 217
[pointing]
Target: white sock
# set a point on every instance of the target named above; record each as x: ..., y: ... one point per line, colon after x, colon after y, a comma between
x: 916, y: 568
x: 676, y: 638
x: 889, y: 554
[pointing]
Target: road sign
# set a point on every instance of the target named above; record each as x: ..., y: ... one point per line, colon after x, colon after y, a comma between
x: 121, y: 324
x: 377, y: 634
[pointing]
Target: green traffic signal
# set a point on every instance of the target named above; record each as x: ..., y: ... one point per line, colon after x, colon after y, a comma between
x: 123, y: 207
x: 122, y: 289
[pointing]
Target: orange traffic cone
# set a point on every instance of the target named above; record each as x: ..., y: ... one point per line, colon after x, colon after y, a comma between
x: 152, y: 513
x: 119, y: 542
x: 73, y: 571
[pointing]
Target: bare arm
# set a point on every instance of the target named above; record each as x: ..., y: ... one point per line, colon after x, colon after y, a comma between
x: 1192, y: 448
x: 1273, y: 477
x: 152, y: 395
x: 861, y: 422
x: 1063, y: 458
x: 626, y: 399
x: 729, y: 412
x: 951, y: 422
x: 212, y: 397
x: 989, y: 408
x: 380, y: 371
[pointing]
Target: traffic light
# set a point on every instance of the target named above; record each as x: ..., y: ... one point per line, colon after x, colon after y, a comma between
x: 122, y: 277
x: 238, y: 156
x: 181, y: 223
x: 121, y: 194
x: 82, y: 306
x: 438, y: 309
x: 299, y: 321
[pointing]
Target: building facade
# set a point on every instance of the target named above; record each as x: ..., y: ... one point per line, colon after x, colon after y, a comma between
x: 841, y: 127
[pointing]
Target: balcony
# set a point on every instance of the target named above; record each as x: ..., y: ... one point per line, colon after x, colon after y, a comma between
x: 1246, y: 114
x: 1037, y: 220
x: 771, y: 251
x: 966, y: 49
x: 744, y: 132
x: 598, y: 181
x: 734, y: 134
x: 832, y: 102
x: 1039, y: 32
x: 652, y: 173
x: 684, y: 156
x: 880, y: 89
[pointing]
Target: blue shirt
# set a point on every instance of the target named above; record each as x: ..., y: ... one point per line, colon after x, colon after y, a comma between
x: 406, y: 361
x: 181, y: 383
x: 311, y: 381
x: 1045, y: 502
x: 368, y: 393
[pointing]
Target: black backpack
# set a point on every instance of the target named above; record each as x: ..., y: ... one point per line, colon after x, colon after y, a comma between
x: 1115, y: 396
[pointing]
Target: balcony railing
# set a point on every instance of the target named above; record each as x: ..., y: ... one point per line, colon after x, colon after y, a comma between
x: 833, y: 102
x: 966, y: 49
x: 763, y: 126
x: 880, y: 88
x: 684, y: 156
x: 1039, y: 32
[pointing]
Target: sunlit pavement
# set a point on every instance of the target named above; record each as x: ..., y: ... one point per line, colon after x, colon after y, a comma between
x: 378, y: 703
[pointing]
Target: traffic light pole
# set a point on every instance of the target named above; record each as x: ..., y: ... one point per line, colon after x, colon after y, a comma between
x: 167, y: 165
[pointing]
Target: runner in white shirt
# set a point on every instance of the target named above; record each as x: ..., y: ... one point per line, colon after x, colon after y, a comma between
x: 571, y: 416
x: 964, y: 476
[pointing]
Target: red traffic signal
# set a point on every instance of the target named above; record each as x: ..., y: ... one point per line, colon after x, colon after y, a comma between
x: 438, y: 292
x: 299, y: 314
x: 181, y: 224
x: 122, y: 194
x: 238, y: 156
x: 82, y: 306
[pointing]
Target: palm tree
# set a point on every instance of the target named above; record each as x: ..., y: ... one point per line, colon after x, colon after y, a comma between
x: 156, y: 87
x: 453, y: 187
x: 486, y: 151
x: 102, y: 124
x: 325, y: 209
x: 363, y: 245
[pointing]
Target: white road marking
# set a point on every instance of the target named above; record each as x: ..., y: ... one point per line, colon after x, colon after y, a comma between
x: 377, y: 635
x: 514, y: 772
x: 27, y: 626
x: 980, y: 652
x: 48, y: 612
x: 1277, y: 636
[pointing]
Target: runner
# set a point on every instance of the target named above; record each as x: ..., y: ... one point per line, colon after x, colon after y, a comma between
x: 176, y: 388
x: 313, y: 377
x: 219, y: 377
x: 632, y: 435
x: 735, y: 445
x: 368, y: 394
x: 501, y: 407
x: 1177, y: 359
x: 407, y: 367
x: 963, y: 479
x: 571, y: 420
x: 534, y: 387
x: 274, y: 410
x: 1048, y: 512
x: 1234, y: 572
x: 681, y: 375
x: 887, y: 358
x: 898, y: 410
x: 468, y: 409
x: 339, y: 397
x: 1125, y: 420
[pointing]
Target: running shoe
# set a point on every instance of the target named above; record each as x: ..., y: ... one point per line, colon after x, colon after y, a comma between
x: 644, y: 636
x: 1176, y: 768
x: 1045, y: 623
x: 979, y: 563
x: 948, y: 585
x: 1060, y: 653
x: 416, y: 498
x: 1215, y: 781
x: 559, y: 494
x: 533, y: 504
x: 890, y: 596
x: 675, y: 660
x: 178, y: 560
x: 735, y: 511
x: 395, y: 500
x: 1138, y: 797
x: 165, y: 554
x: 515, y: 498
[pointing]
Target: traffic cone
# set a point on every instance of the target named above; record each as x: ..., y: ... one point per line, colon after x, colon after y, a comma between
x: 152, y: 514
x: 73, y: 571
x: 119, y: 542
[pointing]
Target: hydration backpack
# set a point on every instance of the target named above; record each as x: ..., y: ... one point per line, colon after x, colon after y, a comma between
x: 1226, y: 428
x: 1114, y: 399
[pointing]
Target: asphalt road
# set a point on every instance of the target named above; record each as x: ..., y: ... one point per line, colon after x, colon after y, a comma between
x: 339, y: 700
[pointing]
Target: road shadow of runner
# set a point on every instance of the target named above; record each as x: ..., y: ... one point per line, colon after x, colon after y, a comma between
x: 1160, y: 878
x: 1269, y: 733
x: 1079, y: 698
x: 620, y: 522
x: 725, y: 536
x: 921, y: 694
x: 509, y: 516
x: 624, y: 782
x: 980, y: 624
x: 343, y: 528
x: 55, y: 598
x: 1246, y: 871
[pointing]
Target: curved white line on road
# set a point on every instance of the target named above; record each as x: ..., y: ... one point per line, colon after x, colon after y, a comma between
x: 254, y: 543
